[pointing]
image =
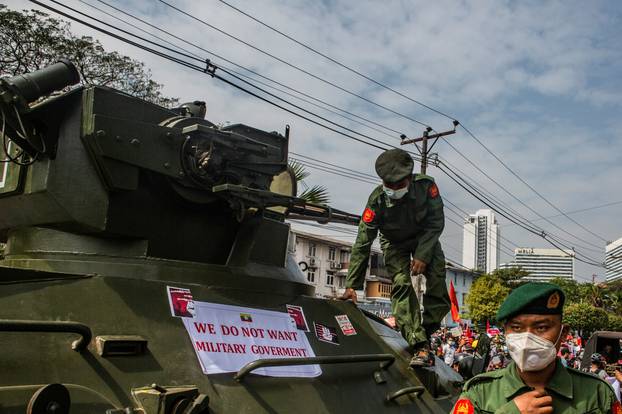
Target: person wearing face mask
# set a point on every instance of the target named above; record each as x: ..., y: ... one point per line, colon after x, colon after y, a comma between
x: 407, y: 211
x: 535, y: 382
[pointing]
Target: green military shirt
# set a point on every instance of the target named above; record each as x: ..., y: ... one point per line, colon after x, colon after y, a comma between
x: 414, y: 222
x: 573, y: 392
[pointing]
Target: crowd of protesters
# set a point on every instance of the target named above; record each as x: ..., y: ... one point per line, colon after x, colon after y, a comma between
x: 452, y: 348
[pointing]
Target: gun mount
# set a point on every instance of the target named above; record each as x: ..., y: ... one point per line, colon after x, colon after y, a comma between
x: 128, y: 226
x: 97, y: 161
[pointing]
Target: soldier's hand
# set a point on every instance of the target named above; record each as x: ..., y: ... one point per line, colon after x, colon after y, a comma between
x: 534, y: 402
x: 417, y: 267
x: 349, y: 294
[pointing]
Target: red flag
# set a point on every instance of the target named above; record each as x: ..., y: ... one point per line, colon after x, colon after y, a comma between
x: 487, y: 326
x: 455, y: 310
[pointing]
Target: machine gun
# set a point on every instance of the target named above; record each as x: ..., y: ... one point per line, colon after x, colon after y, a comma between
x: 116, y: 165
x: 196, y: 156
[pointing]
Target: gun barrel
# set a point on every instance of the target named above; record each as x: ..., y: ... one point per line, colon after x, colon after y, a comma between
x: 32, y: 86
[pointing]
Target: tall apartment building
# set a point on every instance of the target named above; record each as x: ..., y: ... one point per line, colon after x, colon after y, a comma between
x: 613, y: 260
x: 481, y: 241
x: 544, y: 264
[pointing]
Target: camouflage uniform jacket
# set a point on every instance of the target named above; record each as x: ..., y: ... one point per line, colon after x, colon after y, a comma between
x: 414, y: 222
x: 573, y: 392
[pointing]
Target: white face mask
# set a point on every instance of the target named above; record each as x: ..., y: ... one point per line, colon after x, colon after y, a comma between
x: 395, y: 194
x: 531, y: 352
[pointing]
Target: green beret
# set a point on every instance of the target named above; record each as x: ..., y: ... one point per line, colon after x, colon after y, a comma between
x: 394, y: 165
x: 532, y: 298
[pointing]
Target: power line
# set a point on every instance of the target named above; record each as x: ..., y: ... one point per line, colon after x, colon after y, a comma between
x: 290, y: 94
x: 529, y: 186
x: 516, y: 213
x: 581, y: 210
x: 325, y: 105
x: 343, y: 65
x: 337, y: 62
x: 298, y: 68
x: 211, y: 73
x: 475, y: 193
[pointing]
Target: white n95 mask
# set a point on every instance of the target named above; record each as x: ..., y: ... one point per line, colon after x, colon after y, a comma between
x: 529, y: 351
x: 395, y: 194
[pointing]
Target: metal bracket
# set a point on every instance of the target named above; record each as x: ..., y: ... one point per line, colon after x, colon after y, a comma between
x: 51, y: 326
x: 210, y: 68
x: 386, y: 359
x: 416, y: 389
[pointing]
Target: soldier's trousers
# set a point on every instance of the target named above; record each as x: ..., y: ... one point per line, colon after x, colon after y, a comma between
x: 404, y: 304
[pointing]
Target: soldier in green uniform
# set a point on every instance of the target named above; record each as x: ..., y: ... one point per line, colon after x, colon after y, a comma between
x: 536, y: 381
x: 407, y: 210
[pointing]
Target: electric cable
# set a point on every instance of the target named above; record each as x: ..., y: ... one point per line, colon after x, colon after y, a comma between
x: 195, y: 67
x: 327, y: 106
x: 374, y: 81
x: 298, y: 68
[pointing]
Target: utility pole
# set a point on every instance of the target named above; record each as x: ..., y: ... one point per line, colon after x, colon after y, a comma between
x: 417, y: 280
x: 424, y: 150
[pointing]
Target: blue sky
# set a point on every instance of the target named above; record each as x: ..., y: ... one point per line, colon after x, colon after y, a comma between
x: 538, y: 82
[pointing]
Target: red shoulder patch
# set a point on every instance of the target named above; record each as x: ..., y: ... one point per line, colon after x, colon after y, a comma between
x: 433, y: 191
x: 463, y: 406
x: 368, y: 215
x: 616, y: 408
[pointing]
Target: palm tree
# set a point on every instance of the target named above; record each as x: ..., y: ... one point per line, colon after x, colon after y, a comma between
x: 318, y: 194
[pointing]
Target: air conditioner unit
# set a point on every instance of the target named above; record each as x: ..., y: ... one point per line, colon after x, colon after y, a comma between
x: 337, y: 265
x: 312, y: 262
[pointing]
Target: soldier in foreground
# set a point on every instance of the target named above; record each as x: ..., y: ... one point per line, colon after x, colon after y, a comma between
x: 536, y: 381
x: 407, y: 210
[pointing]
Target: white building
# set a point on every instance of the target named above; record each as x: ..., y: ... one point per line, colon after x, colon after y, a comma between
x: 325, y: 262
x: 613, y: 260
x: 545, y: 264
x: 481, y: 241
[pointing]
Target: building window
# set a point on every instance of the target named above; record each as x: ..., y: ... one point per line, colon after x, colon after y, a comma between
x: 330, y: 278
x: 463, y: 280
x: 455, y: 278
x: 341, y: 281
x: 312, y: 249
x: 332, y: 253
x: 464, y: 295
x: 311, y: 276
x: 344, y: 256
x: 374, y: 261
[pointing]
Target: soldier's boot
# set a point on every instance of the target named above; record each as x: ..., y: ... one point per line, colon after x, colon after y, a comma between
x: 422, y: 356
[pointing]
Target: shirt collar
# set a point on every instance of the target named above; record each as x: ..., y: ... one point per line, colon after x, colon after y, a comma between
x: 513, y: 382
x: 560, y: 383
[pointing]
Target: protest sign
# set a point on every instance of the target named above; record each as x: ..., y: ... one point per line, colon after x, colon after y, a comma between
x: 225, y: 338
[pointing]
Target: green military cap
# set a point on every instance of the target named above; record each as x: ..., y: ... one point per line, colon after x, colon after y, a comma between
x: 533, y: 298
x: 394, y: 165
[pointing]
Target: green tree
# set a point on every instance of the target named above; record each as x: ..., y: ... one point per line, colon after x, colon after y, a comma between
x: 614, y: 323
x: 573, y: 291
x: 511, y: 277
x: 612, y: 297
x: 31, y: 40
x: 486, y: 295
x: 585, y: 317
x: 318, y: 194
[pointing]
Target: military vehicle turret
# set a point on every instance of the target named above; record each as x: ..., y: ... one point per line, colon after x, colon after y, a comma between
x: 146, y: 269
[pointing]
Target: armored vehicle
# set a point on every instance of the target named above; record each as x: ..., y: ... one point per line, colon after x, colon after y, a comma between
x: 146, y: 269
